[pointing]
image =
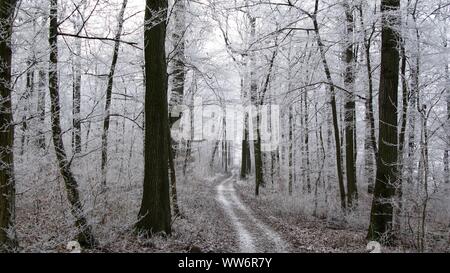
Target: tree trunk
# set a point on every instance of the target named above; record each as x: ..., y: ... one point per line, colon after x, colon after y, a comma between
x: 386, y: 176
x: 447, y: 124
x: 177, y: 92
x: 109, y: 88
x: 402, y: 136
x: 349, y: 109
x: 188, y: 154
x: 290, y: 152
x: 306, y: 139
x: 85, y: 237
x: 173, y: 181
x: 259, y: 167
x: 76, y: 96
x: 213, y: 156
x: 154, y: 214
x: 257, y: 118
x: 258, y: 155
x: 7, y: 182
x: 41, y: 92
x: 333, y: 110
x: 413, y: 103
x: 29, y: 89
x: 370, y: 143
x: 41, y: 108
x: 246, y: 160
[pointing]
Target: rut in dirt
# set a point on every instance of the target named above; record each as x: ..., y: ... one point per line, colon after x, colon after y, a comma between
x: 253, y: 235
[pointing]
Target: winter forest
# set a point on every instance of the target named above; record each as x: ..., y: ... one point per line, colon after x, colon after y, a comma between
x: 224, y: 126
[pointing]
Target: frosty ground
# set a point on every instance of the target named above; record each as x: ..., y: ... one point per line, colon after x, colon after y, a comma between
x: 219, y: 213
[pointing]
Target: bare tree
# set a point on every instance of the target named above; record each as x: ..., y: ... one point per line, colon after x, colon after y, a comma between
x: 370, y: 143
x: 85, y: 236
x: 109, y: 88
x: 177, y: 92
x: 7, y: 182
x: 154, y: 214
x: 386, y: 177
x: 331, y: 87
x: 349, y: 107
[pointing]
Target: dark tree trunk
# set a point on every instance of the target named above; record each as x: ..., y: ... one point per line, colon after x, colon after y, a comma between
x: 256, y: 121
x: 349, y: 110
x: 109, y: 88
x: 386, y: 176
x: 154, y: 214
x: 290, y: 152
x: 245, y: 151
x: 258, y: 156
x: 246, y: 160
x: 85, y: 237
x: 447, y: 124
x: 225, y: 145
x: 259, y: 168
x: 7, y: 182
x: 337, y: 140
x: 213, y: 156
x: 370, y: 144
x: 29, y: 89
x: 187, y: 157
x: 306, y: 140
x: 41, y: 108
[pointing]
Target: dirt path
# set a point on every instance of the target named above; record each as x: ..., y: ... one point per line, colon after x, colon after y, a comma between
x: 252, y: 234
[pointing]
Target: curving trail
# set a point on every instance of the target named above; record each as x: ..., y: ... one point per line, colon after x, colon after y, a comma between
x: 253, y: 235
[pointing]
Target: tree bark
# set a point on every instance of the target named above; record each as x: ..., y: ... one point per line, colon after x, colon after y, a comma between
x: 446, y: 159
x: 76, y: 90
x: 41, y: 108
x: 402, y: 135
x: 386, y: 176
x: 370, y: 142
x: 85, y: 237
x: 256, y: 122
x: 349, y: 109
x: 245, y: 156
x: 154, y: 214
x: 447, y: 125
x: 333, y: 109
x: 7, y: 181
x: 177, y: 92
x: 290, y: 152
x: 29, y: 89
x: 413, y: 101
x: 259, y: 167
x: 306, y: 140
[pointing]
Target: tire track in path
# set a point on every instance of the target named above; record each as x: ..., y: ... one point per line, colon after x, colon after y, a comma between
x: 253, y: 235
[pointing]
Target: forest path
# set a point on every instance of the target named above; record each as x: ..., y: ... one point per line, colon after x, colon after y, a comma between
x: 253, y: 235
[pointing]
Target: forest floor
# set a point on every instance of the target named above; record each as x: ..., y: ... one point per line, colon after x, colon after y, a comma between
x: 253, y: 234
x: 218, y: 214
x: 304, y: 232
x: 225, y: 216
x: 221, y: 214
